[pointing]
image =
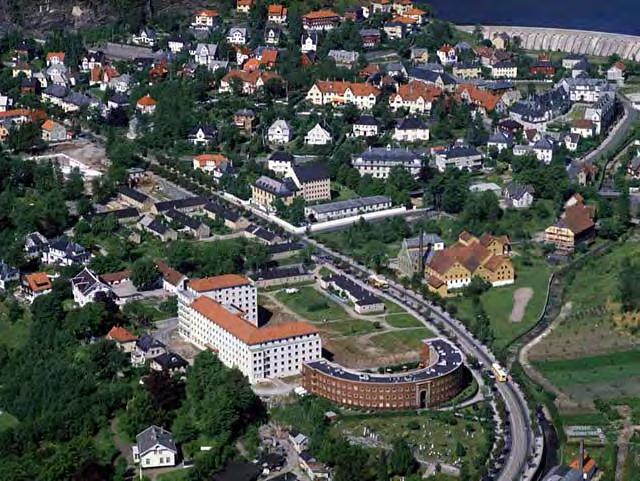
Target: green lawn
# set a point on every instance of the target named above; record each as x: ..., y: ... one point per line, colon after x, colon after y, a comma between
x: 398, y: 317
x: 14, y: 333
x: 498, y: 301
x: 351, y: 327
x: 7, y: 421
x: 178, y: 475
x: 312, y: 305
x: 401, y: 341
x: 587, y: 370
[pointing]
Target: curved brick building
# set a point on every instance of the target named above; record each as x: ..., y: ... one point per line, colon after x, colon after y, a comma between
x: 442, y: 378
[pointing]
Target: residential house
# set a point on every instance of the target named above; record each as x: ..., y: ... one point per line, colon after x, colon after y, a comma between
x: 272, y: 35
x: 177, y: 44
x: 238, y: 35
x: 35, y: 244
x: 500, y: 40
x: 454, y: 267
x: 379, y: 161
x: 617, y: 73
x: 459, y: 156
x: 282, y: 276
x: 394, y: 29
x: 571, y: 141
x: 504, y: 69
x: 155, y: 448
x: 320, y: 20
x: 7, y: 274
x: 55, y: 58
x: 344, y: 58
x: 576, y: 225
x: 145, y: 37
x: 205, y: 19
x: 36, y: 285
x: 244, y: 6
x: 169, y: 362
x: 313, y: 181
x: 53, y: 131
x: 447, y: 54
x: 467, y: 70
x: 583, y: 89
x: 364, y: 301
x: 602, y: 112
x: 299, y: 441
x: 365, y: 126
x: 172, y: 280
x: 280, y: 162
x: 277, y: 14
x: 415, y: 252
x: 435, y: 77
x: 135, y: 198
x: 146, y: 105
x: 87, y: 287
x: 244, y: 119
x: 157, y: 228
x: 147, y: 347
x: 249, y: 82
x: 543, y: 149
x: 583, y: 127
x: 265, y: 191
x: 543, y: 67
x: 371, y: 37
x: 202, y: 135
x: 187, y: 224
x: 124, y: 339
x: 419, y: 55
x: 381, y: 6
x: 6, y: 103
x: 362, y: 95
x: 65, y: 252
x: 518, y: 196
x: 216, y: 164
x: 411, y: 129
x: 415, y: 96
x: 280, y: 132
x: 500, y: 141
x: 91, y: 60
x: 318, y: 136
x: 205, y: 53
x: 483, y: 100
x: 309, y: 42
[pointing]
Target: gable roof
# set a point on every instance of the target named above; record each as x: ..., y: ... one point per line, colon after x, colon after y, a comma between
x: 121, y: 335
x: 311, y: 172
x: 152, y: 436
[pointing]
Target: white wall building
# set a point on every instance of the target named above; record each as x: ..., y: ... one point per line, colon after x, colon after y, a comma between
x: 317, y: 136
x: 280, y: 132
x: 154, y: 448
x: 231, y: 290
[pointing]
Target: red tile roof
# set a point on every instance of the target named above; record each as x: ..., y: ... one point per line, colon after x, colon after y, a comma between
x: 245, y: 331
x: 218, y: 282
x: 121, y: 335
x: 169, y: 274
x: 147, y: 101
x: 113, y: 277
x: 319, y: 14
x: 38, y: 282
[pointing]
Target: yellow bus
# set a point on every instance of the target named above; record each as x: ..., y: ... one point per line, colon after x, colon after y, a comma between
x: 379, y: 282
x: 498, y: 370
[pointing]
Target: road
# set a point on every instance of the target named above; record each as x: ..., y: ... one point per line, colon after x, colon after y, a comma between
x: 520, y: 434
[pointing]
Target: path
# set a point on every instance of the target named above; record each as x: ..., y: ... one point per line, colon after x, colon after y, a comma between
x: 521, y: 298
x: 121, y: 445
x: 624, y: 438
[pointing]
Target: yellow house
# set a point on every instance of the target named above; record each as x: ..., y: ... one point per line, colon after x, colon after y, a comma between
x: 266, y: 191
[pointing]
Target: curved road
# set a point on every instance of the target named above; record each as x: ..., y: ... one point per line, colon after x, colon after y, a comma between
x: 520, y: 433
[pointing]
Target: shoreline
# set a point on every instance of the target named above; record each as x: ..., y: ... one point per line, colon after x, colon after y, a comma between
x: 469, y: 28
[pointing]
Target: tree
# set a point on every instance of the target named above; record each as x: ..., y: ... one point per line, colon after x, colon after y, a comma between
x: 629, y: 286
x: 401, y: 461
x: 144, y: 274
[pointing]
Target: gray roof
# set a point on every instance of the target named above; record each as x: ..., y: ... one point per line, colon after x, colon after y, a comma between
x: 311, y: 172
x: 341, y: 205
x: 133, y: 194
x: 427, y: 238
x: 7, y: 272
x: 411, y: 123
x: 276, y: 187
x: 517, y: 191
x: 152, y: 436
x: 429, y: 76
x: 387, y: 154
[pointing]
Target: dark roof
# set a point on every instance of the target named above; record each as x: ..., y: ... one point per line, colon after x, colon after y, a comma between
x: 285, y: 247
x: 146, y: 342
x: 120, y: 99
x: 430, y: 76
x: 7, y: 272
x: 280, y: 272
x: 366, y: 120
x: 181, y: 203
x: 281, y: 156
x: 171, y: 361
x: 133, y: 194
x: 517, y: 191
x: 382, y: 154
x: 276, y: 187
x: 222, y: 211
x: 153, y: 435
x: 411, y: 123
x: 363, y: 296
x: 56, y: 90
x: 208, y: 130
x: 458, y: 151
x: 156, y: 225
x: 261, y: 232
x: 71, y: 249
x: 182, y: 219
x: 127, y: 213
x: 311, y: 172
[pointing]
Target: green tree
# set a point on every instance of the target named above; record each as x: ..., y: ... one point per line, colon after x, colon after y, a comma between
x: 144, y: 274
x: 401, y: 461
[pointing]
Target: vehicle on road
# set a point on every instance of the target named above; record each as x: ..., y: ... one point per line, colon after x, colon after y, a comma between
x: 501, y: 374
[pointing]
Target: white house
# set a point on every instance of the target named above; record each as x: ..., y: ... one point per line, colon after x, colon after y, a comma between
x: 7, y: 274
x: 5, y: 103
x: 86, y: 286
x: 447, y: 54
x: 317, y: 136
x: 205, y: 53
x: 202, y: 135
x: 64, y: 252
x: 237, y: 35
x: 500, y: 141
x: 504, y: 69
x: 146, y: 37
x: 543, y: 149
x: 281, y: 162
x: 309, y: 42
x: 461, y: 157
x: 616, y: 73
x: 411, y: 129
x: 365, y: 126
x: 154, y: 448
x: 205, y: 19
x: 280, y: 132
x: 518, y: 196
x: 583, y: 127
x: 571, y: 141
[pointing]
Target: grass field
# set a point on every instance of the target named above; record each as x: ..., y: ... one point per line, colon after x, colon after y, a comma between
x: 498, y: 302
x: 7, y: 421
x: 312, y: 305
x: 606, y: 377
x: 398, y: 317
x: 14, y: 333
x: 397, y: 341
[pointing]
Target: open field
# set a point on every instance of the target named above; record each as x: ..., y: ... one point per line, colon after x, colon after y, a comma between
x: 498, y: 302
x: 587, y: 330
x: 359, y: 341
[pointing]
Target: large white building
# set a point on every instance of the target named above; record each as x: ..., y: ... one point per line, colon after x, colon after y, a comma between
x: 258, y: 352
x: 232, y: 290
x: 379, y: 161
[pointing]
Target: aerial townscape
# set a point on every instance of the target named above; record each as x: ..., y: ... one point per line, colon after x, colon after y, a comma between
x: 279, y: 240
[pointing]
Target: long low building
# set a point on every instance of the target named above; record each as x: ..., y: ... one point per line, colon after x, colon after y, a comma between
x: 364, y: 301
x: 347, y: 208
x: 442, y: 377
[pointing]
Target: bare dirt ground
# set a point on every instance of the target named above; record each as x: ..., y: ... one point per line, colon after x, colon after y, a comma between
x: 85, y: 151
x: 521, y: 298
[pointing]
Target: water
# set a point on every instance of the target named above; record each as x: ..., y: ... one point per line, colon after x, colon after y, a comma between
x: 616, y: 16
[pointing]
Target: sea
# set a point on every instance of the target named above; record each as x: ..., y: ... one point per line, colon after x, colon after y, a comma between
x: 614, y: 16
